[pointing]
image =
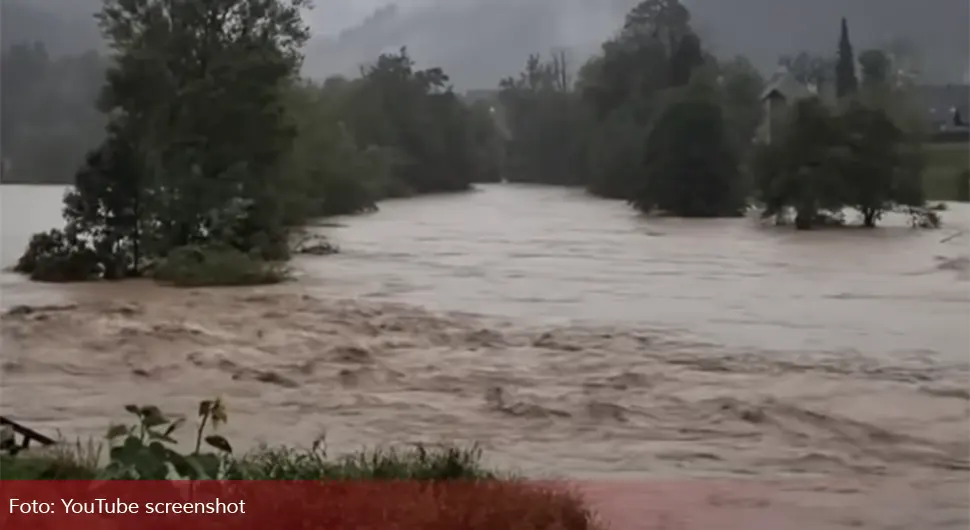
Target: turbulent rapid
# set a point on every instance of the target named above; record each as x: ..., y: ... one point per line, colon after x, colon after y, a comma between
x: 566, y: 335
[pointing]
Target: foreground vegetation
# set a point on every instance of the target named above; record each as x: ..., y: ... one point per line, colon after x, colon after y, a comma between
x: 148, y: 450
x: 214, y: 147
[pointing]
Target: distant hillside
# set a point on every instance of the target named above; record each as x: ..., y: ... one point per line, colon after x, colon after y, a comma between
x: 61, y: 31
x: 478, y: 42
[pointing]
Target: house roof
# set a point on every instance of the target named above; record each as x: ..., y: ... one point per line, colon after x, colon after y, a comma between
x: 784, y: 84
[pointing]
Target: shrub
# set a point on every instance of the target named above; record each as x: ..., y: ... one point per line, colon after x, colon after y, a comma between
x: 417, y: 463
x: 196, y: 266
x: 412, y: 494
x: 57, y: 256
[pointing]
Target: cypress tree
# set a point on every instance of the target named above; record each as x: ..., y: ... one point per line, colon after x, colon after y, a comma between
x: 845, y: 78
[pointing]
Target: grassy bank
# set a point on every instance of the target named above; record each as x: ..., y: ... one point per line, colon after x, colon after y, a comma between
x: 947, y: 174
x: 147, y: 450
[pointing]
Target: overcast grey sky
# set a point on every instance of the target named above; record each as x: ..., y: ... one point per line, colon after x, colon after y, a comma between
x: 479, y: 41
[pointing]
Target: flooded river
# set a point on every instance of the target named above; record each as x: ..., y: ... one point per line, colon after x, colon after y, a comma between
x: 564, y: 333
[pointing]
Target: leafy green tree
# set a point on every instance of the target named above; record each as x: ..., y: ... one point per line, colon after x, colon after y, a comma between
x: 198, y: 130
x: 687, y: 56
x: 545, y: 123
x: 876, y: 69
x: 488, y: 141
x: 416, y: 117
x: 799, y: 170
x: 740, y: 86
x: 615, y: 154
x: 595, y: 131
x: 846, y: 82
x: 691, y: 165
x: 108, y: 202
x: 327, y: 172
x: 199, y: 85
x: 625, y: 90
x: 876, y: 173
x: 824, y: 162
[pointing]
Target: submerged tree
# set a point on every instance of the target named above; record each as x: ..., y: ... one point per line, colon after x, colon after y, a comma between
x: 824, y: 162
x: 416, y: 115
x: 197, y: 129
x: 691, y: 165
x: 799, y: 170
x: 877, y: 170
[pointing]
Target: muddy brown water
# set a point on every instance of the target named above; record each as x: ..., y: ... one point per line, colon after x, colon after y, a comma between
x: 566, y: 335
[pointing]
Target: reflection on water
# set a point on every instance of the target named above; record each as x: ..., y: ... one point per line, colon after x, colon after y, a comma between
x: 541, y: 254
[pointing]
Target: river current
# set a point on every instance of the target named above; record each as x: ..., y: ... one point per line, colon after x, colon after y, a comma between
x: 565, y: 334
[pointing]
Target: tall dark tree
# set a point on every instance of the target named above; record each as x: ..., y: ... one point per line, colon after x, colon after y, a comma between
x: 799, y: 170
x: 846, y: 82
x: 873, y: 166
x: 690, y: 169
x: 686, y: 56
x: 876, y: 69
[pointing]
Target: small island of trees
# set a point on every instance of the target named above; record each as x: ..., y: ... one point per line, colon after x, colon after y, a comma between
x: 215, y: 148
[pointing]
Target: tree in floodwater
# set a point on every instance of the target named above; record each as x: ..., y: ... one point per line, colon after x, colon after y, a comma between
x: 197, y: 130
x: 545, y: 123
x: 880, y: 170
x: 824, y: 162
x: 799, y: 170
x: 691, y: 168
x: 434, y: 139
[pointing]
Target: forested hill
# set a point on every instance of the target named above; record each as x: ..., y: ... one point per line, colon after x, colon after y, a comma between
x: 53, y: 69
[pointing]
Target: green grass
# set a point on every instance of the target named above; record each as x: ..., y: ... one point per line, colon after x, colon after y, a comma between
x: 946, y: 165
x: 195, y: 266
x: 83, y: 462
x: 480, y: 499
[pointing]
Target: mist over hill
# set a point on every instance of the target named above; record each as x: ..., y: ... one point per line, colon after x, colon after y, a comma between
x: 479, y: 41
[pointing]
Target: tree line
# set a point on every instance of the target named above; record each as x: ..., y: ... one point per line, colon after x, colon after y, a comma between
x: 659, y: 120
x: 214, y: 147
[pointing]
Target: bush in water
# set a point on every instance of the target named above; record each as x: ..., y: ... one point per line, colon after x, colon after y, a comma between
x: 194, y: 266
